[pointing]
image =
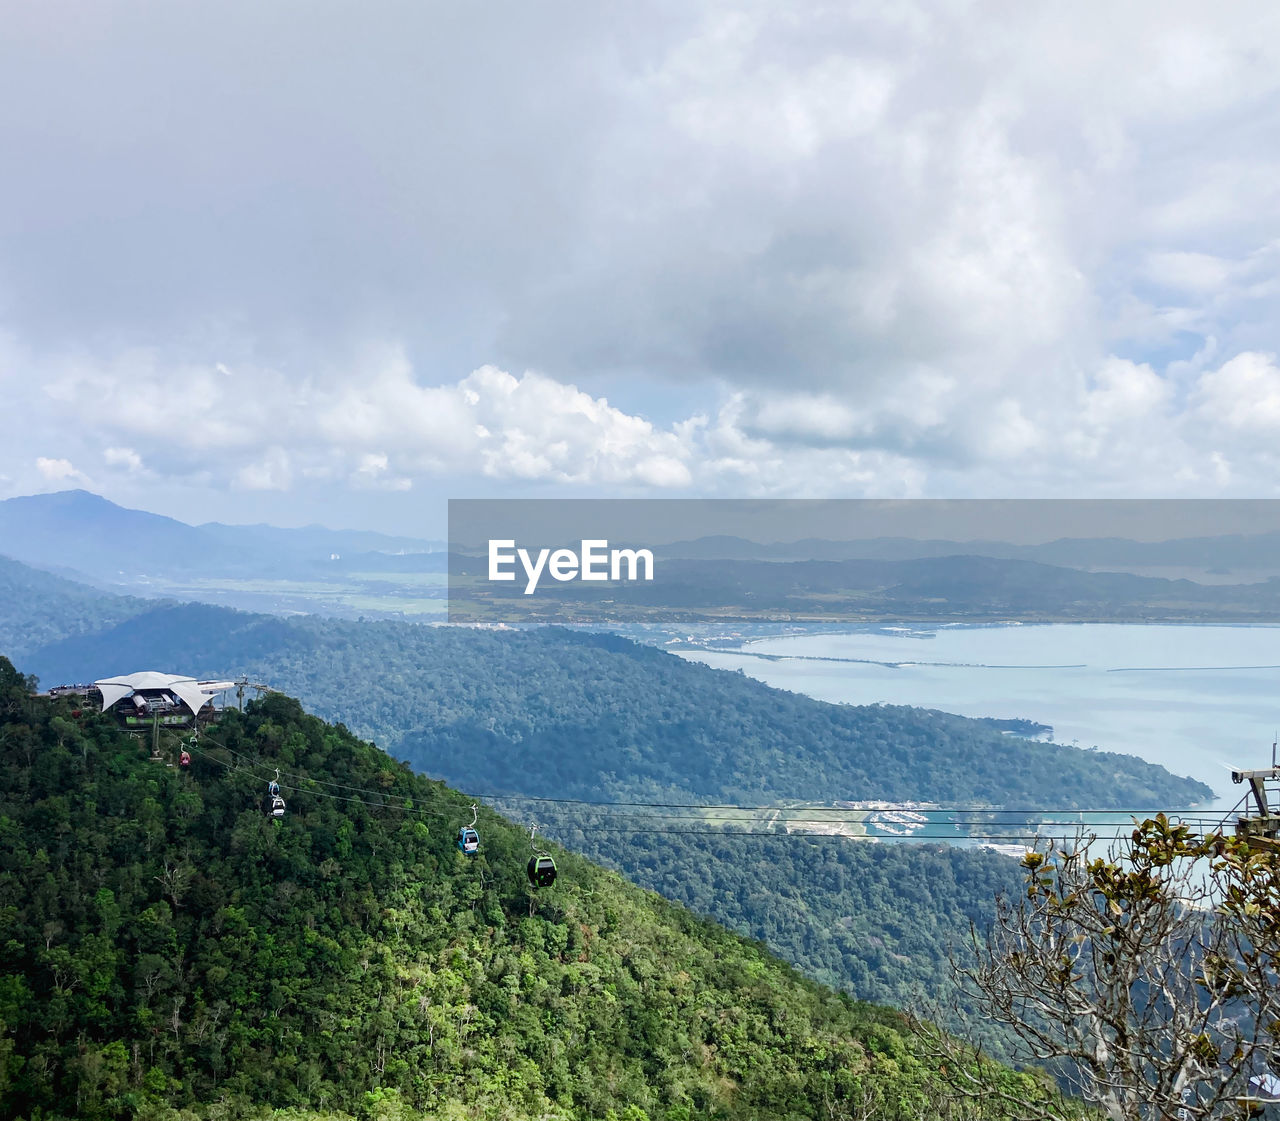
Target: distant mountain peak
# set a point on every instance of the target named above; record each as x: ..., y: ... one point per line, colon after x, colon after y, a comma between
x: 78, y: 496
x: 82, y: 501
x: 79, y: 532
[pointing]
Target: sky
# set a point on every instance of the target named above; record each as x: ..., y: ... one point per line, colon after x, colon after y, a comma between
x: 327, y: 262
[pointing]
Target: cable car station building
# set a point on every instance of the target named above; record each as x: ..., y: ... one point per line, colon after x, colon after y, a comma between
x: 147, y: 699
x: 140, y: 699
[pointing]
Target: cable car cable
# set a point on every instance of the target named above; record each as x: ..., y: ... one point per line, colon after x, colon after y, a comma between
x: 1036, y: 821
x: 1035, y: 830
x: 880, y: 807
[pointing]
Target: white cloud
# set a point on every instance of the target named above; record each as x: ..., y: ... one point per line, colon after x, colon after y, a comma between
x: 871, y: 248
x: 804, y: 416
x: 1196, y: 274
x: 735, y: 460
x: 540, y: 428
x: 372, y: 473
x: 1241, y: 399
x: 126, y: 458
x: 58, y: 470
x: 375, y: 426
x: 1121, y: 424
x: 274, y: 471
x: 1124, y: 391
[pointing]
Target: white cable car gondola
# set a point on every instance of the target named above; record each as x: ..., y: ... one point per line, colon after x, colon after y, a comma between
x: 276, y: 806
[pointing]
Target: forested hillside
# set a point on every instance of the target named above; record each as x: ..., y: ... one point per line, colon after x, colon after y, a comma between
x: 880, y: 921
x: 167, y: 945
x: 559, y: 713
x: 37, y: 608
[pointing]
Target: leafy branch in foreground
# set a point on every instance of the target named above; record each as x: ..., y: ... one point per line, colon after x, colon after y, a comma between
x: 1150, y: 973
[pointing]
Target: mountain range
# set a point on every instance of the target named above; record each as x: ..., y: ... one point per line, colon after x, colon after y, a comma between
x: 78, y: 533
x: 1253, y: 553
x: 90, y: 537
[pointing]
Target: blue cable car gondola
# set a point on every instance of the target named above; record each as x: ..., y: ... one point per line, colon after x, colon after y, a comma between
x: 468, y: 838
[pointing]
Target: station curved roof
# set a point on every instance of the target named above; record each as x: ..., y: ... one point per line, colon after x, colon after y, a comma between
x: 186, y: 689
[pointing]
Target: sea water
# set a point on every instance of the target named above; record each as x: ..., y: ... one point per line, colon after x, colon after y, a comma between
x: 1200, y: 701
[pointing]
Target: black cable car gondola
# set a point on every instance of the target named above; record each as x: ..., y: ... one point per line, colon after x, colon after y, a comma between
x: 542, y: 870
x: 541, y: 867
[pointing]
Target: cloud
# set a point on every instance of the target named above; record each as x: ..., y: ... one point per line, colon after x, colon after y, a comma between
x: 1118, y: 427
x: 732, y: 457
x: 58, y: 470
x: 1001, y: 193
x: 716, y: 247
x: 274, y: 471
x: 1241, y: 399
x: 542, y: 429
x: 1124, y: 391
x: 126, y: 458
x: 372, y: 427
x: 724, y: 190
x: 372, y: 473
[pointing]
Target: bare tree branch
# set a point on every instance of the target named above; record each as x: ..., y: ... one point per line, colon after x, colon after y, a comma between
x: 1151, y: 971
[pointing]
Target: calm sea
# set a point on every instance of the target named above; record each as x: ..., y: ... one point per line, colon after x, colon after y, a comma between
x: 1197, y: 700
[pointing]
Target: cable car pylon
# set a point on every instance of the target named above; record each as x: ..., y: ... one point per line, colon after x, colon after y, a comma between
x: 1259, y: 824
x: 242, y: 683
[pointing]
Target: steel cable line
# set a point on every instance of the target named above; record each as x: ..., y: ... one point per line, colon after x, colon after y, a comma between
x: 880, y: 807
x: 659, y: 826
x: 409, y: 809
x: 258, y: 762
x: 800, y: 835
x: 840, y: 813
x: 1034, y: 822
x: 630, y: 830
